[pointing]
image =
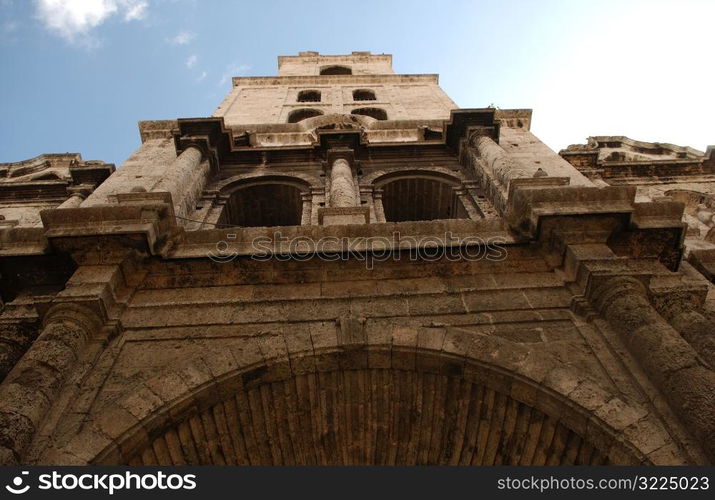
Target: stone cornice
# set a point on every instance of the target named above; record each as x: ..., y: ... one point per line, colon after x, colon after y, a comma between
x: 335, y: 58
x: 318, y: 80
x: 144, y: 224
x: 338, y: 238
x: 157, y: 129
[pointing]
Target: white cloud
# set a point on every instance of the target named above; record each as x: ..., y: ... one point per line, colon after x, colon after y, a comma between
x: 192, y: 60
x: 182, y: 38
x: 75, y: 19
x: 135, y: 10
x: 202, y: 77
x: 233, y: 69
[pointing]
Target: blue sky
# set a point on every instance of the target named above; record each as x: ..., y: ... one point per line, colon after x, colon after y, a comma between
x: 77, y: 75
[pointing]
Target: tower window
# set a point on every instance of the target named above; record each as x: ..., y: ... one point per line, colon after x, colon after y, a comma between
x: 264, y: 205
x: 336, y: 70
x: 309, y: 96
x: 363, y: 95
x: 376, y: 113
x: 299, y: 115
x: 414, y: 199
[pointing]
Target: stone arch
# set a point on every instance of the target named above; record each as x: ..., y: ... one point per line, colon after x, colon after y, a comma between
x: 334, y: 120
x: 376, y: 113
x: 381, y: 177
x: 364, y: 95
x: 335, y: 69
x: 298, y: 115
x: 263, y: 201
x: 481, y: 401
x: 302, y: 181
x: 432, y: 195
x: 311, y: 95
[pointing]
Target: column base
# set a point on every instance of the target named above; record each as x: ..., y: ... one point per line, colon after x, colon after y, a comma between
x: 335, y: 216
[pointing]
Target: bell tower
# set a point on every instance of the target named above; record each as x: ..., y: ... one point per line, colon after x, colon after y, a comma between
x: 340, y: 266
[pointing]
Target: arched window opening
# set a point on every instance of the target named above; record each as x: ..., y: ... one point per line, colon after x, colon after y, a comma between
x: 376, y: 113
x: 264, y: 205
x: 419, y: 198
x: 299, y: 115
x: 336, y: 70
x: 309, y: 96
x: 364, y: 95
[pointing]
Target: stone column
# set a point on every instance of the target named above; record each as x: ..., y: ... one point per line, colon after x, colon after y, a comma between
x: 33, y: 385
x: 476, y: 195
x: 15, y: 338
x: 500, y: 164
x: 306, y: 214
x: 343, y: 199
x: 668, y: 360
x: 377, y: 204
x: 74, y: 201
x: 698, y: 330
x: 180, y: 177
x: 77, y: 195
x: 342, y: 186
x: 463, y: 198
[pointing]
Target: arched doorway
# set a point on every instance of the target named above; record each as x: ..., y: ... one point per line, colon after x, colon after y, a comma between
x: 382, y: 405
x: 370, y: 417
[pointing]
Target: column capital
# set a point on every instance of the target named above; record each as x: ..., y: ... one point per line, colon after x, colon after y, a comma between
x: 604, y: 289
x: 78, y: 314
x: 346, y: 154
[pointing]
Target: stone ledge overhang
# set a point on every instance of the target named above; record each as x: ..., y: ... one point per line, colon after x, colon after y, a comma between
x: 653, y: 228
x: 219, y: 244
x: 217, y: 143
x: 38, y: 191
x: 210, y: 135
x: 647, y: 159
x: 220, y: 146
x: 36, y: 164
x: 91, y: 173
x: 529, y: 202
x: 146, y: 222
x: 23, y: 241
x: 588, y: 266
x: 645, y: 171
x: 462, y: 122
x: 157, y: 129
x: 703, y: 259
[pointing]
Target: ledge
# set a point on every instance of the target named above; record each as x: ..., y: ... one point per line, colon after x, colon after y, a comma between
x: 529, y: 203
x: 151, y: 220
x: 288, y: 240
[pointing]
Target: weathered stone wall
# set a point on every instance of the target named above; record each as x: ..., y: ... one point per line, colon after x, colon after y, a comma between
x: 382, y: 330
x: 45, y: 182
x: 253, y: 100
x: 310, y: 63
x: 140, y: 324
x: 139, y: 173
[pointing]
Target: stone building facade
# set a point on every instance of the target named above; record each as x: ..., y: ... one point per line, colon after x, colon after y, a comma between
x: 342, y: 267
